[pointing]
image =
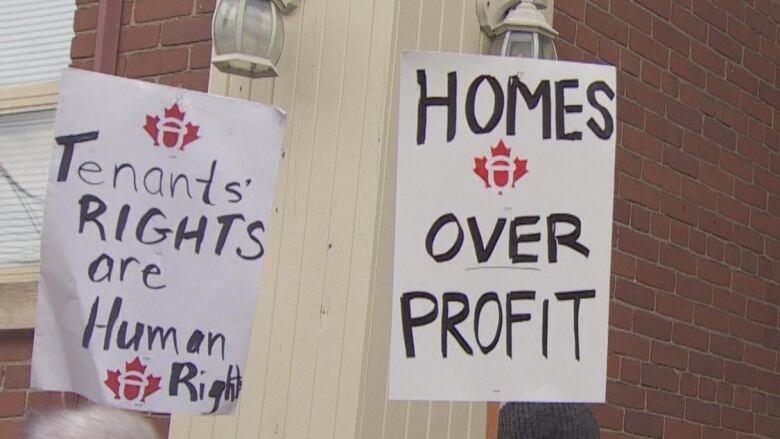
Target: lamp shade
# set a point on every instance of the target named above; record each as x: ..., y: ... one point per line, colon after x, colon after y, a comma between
x: 524, y: 33
x: 248, y: 37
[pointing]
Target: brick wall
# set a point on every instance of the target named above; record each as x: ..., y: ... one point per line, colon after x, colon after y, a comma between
x: 694, y: 338
x: 163, y: 41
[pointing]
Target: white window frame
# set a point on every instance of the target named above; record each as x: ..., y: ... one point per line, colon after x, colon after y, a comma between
x: 19, y: 285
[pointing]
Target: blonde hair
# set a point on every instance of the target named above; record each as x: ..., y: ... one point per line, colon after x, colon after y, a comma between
x: 93, y: 422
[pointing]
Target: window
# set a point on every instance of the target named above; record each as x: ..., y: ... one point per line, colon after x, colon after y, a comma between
x: 35, y: 39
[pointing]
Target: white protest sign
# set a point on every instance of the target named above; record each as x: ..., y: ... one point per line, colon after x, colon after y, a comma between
x: 155, y: 230
x: 503, y: 229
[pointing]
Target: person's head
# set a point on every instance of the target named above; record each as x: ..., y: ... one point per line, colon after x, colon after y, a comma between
x: 527, y: 420
x: 93, y: 422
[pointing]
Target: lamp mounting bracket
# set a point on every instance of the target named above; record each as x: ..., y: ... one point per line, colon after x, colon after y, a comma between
x: 286, y: 6
x: 492, y: 12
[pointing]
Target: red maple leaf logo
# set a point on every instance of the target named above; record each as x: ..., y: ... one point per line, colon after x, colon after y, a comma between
x: 171, y: 131
x: 132, y: 384
x: 499, y: 171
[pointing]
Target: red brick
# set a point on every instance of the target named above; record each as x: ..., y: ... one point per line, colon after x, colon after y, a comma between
x: 186, y: 30
x: 623, y: 264
x: 192, y: 80
x: 722, y: 89
x: 742, y: 33
x: 139, y: 37
x: 655, y: 276
x: 85, y: 18
x: 648, y: 48
x: 12, y: 404
x: 660, y: 7
x: 633, y: 14
x: 693, y: 288
x: 205, y: 6
x: 669, y: 355
x: 747, y: 237
x: 746, y: 330
x: 724, y: 45
x: 701, y: 412
x: 629, y: 344
x: 606, y: 24
x: 157, y: 62
x: 573, y: 9
x: 707, y: 389
x: 771, y: 338
x: 644, y: 144
x: 12, y: 428
x: 762, y: 313
x: 634, y: 294
x: 764, y: 223
x: 728, y: 301
x: 728, y: 347
x: 665, y: 403
x: 715, y: 248
x: 690, y: 336
x: 640, y: 219
x: 16, y: 377
x: 670, y: 84
x: 716, y: 179
x: 637, y: 244
x: 639, y: 192
x: 725, y: 393
x: 687, y: 70
x: 200, y: 55
x: 644, y: 424
x: 630, y: 371
x: 664, y: 129
x: 681, y: 210
x: 630, y: 112
x: 714, y: 16
x: 628, y: 163
x: 738, y: 373
x: 671, y: 37
x: 688, y: 384
x: 675, y: 307
x: 608, y: 416
x: 698, y: 193
x: 698, y: 241
x: 710, y: 318
x: 675, y: 429
x: 149, y: 10
x: 15, y: 345
x: 760, y: 357
x: 733, y: 209
x: 688, y: 23
x: 625, y: 395
x: 712, y: 223
x: 587, y: 39
x: 83, y: 45
x: 678, y: 259
x: 650, y: 325
x: 714, y: 272
x: 757, y: 109
x: 767, y: 426
x: 649, y: 97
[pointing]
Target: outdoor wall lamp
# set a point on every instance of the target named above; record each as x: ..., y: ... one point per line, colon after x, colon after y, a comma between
x: 248, y: 36
x: 518, y: 28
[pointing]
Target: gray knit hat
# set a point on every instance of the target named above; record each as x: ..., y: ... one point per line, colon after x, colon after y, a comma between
x: 528, y: 420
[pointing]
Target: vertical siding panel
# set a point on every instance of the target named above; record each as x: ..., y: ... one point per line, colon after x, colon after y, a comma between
x: 375, y: 105
x: 312, y: 307
x: 310, y: 303
x: 452, y: 23
x: 276, y: 385
x: 374, y: 413
x: 430, y: 25
x: 249, y: 417
x: 337, y: 292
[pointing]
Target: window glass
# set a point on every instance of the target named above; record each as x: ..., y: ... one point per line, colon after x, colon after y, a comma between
x: 26, y: 141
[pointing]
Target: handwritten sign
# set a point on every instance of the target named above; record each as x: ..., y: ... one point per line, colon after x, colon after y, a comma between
x: 155, y: 228
x: 503, y: 229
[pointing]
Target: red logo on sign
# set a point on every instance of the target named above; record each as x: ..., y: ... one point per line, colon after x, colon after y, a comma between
x: 132, y: 384
x: 170, y: 131
x: 499, y: 170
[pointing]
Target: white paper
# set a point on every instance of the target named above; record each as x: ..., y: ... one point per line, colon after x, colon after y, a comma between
x: 524, y: 189
x: 163, y: 158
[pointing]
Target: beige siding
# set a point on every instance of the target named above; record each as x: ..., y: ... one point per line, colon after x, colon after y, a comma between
x: 318, y: 361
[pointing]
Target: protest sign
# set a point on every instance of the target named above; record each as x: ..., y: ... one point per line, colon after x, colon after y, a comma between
x: 155, y: 232
x: 503, y: 229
